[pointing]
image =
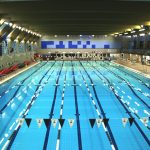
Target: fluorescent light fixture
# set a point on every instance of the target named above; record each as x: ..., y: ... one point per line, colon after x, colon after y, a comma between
x: 55, y: 36
x: 14, y: 26
x: 125, y: 33
x: 2, y: 21
x: 10, y: 24
x: 68, y: 35
x: 143, y: 34
x: 133, y: 31
x: 6, y: 23
x: 142, y: 30
x: 19, y: 28
x: 23, y: 29
x: 134, y: 35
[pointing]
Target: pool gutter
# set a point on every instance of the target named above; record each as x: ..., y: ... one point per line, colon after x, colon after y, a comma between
x: 134, y: 70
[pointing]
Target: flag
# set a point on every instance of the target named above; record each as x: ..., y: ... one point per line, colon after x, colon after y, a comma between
x: 61, y: 121
x: 131, y: 121
x: 54, y: 122
x: 124, y: 121
x: 145, y: 120
x: 20, y: 120
x: 39, y: 122
x: 71, y: 122
x: 92, y: 122
x: 98, y: 122
x: 28, y: 121
x: 47, y: 122
x: 105, y: 120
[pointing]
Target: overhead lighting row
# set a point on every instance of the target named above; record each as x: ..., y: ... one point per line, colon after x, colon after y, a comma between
x: 142, y: 31
x: 80, y: 35
x: 14, y: 26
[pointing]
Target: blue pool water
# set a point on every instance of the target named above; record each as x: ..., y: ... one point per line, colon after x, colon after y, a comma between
x: 81, y: 91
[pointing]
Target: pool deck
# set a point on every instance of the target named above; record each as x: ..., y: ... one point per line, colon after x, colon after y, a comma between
x: 137, y: 67
x: 17, y: 72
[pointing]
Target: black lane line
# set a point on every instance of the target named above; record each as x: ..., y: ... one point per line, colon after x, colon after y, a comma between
x: 2, y: 109
x: 77, y: 110
x: 128, y: 86
x: 124, y: 106
x: 15, y: 132
x: 132, y: 76
x: 23, y: 79
x: 52, y: 110
x: 109, y: 134
x: 11, y: 116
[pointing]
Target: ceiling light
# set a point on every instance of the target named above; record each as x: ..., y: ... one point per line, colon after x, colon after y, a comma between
x: 143, y: 34
x: 6, y: 23
x: 134, y: 35
x: 22, y: 29
x: 10, y: 24
x: 19, y: 28
x: 142, y: 30
x: 133, y: 31
x: 2, y: 21
x: 14, y: 26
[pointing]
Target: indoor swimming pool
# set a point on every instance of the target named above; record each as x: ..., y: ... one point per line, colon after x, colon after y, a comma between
x: 75, y: 105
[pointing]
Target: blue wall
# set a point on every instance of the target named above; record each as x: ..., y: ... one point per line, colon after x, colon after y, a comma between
x: 74, y: 43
